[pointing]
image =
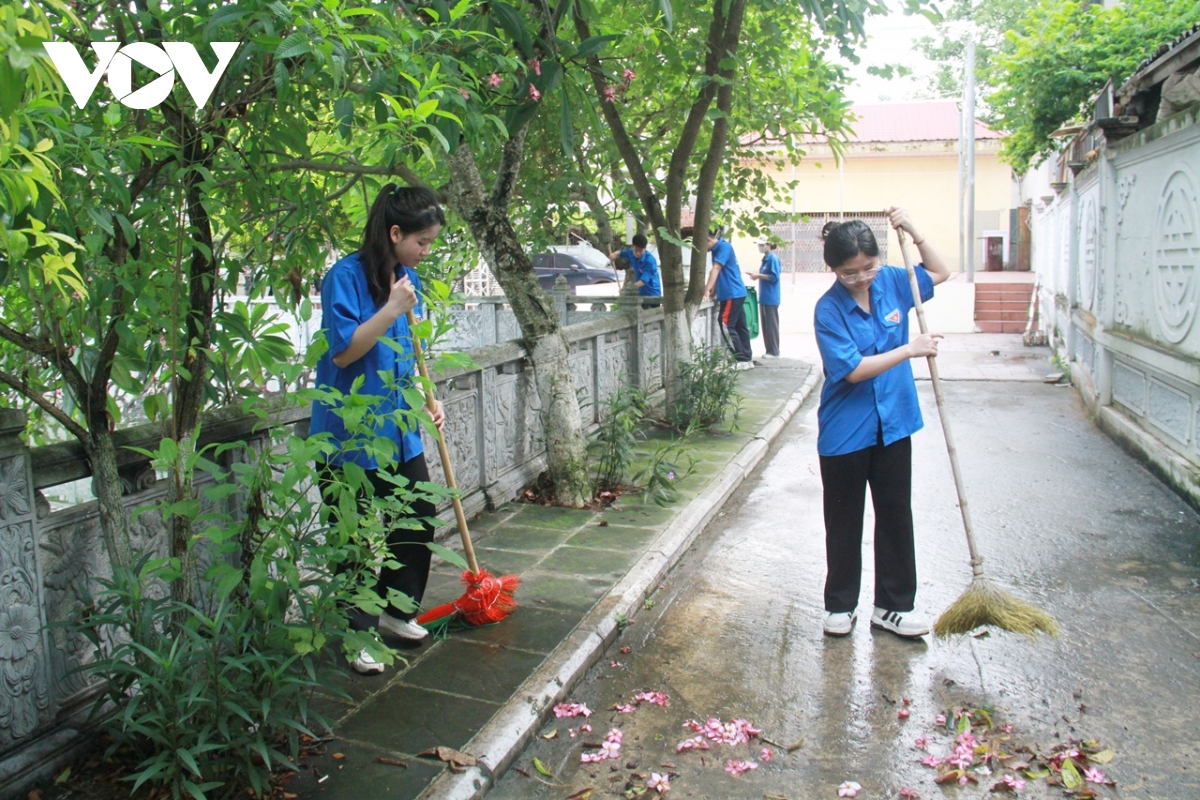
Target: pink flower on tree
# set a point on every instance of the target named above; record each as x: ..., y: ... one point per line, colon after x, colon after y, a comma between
x: 629, y: 74
x: 494, y: 80
x: 536, y: 64
x: 465, y: 94
x: 610, y: 94
x: 534, y: 94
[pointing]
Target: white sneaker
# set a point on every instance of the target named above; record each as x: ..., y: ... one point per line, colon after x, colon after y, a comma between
x: 899, y: 623
x: 401, y: 628
x: 839, y: 623
x: 743, y: 365
x: 366, y: 664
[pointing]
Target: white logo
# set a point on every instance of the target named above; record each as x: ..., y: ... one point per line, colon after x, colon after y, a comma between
x: 117, y: 61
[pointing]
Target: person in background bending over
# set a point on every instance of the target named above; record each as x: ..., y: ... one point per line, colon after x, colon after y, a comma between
x: 725, y: 284
x: 768, y: 297
x: 867, y: 416
x: 644, y: 266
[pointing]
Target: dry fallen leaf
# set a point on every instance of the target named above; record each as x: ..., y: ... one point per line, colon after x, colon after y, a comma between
x: 338, y: 756
x: 450, y: 756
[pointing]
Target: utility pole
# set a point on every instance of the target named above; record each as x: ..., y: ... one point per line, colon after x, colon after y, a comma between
x: 969, y: 113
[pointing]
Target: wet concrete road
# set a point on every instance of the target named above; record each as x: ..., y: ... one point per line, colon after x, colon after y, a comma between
x: 1065, y: 520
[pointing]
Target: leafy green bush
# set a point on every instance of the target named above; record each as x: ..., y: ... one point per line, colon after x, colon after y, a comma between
x: 614, y: 442
x: 708, y: 394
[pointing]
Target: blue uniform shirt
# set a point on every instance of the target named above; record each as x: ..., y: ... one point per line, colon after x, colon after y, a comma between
x: 768, y: 290
x: 729, y: 280
x: 850, y: 414
x: 645, y: 269
x: 346, y: 303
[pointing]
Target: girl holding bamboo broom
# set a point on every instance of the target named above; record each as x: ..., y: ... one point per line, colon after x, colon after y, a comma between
x: 365, y: 298
x: 868, y: 413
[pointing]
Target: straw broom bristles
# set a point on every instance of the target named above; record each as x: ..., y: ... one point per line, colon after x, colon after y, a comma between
x: 984, y: 603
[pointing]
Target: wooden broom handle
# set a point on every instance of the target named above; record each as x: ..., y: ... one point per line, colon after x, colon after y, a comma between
x: 431, y: 403
x: 976, y: 560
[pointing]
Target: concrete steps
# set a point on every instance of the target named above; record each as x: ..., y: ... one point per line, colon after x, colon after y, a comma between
x: 1002, y: 307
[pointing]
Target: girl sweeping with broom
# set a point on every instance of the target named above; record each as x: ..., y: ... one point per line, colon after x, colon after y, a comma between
x: 365, y: 298
x: 868, y: 413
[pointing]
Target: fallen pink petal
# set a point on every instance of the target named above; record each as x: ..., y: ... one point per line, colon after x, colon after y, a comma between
x: 766, y: 755
x: 586, y: 727
x: 623, y: 708
x: 921, y: 743
x: 614, y: 735
x: 849, y: 789
x: 931, y: 761
x: 572, y: 710
x: 659, y: 783
x: 940, y: 719
x: 735, y: 767
x: 1012, y: 782
x: 907, y: 792
x: 903, y: 713
x: 1094, y: 775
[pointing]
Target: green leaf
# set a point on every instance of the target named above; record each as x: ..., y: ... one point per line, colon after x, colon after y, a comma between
x: 540, y: 767
x: 510, y: 21
x: 1103, y: 757
x: 12, y: 87
x: 567, y: 127
x: 296, y: 45
x: 668, y: 13
x: 1070, y: 775
x: 593, y: 45
x: 448, y: 555
x: 343, y: 112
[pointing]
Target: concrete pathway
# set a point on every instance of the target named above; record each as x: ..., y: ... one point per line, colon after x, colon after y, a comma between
x: 487, y: 691
x: 1065, y: 519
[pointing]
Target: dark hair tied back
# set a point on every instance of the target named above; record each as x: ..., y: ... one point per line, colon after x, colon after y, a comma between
x: 845, y: 240
x: 409, y: 208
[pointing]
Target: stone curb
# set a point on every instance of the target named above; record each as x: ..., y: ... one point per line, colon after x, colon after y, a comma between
x: 515, y: 724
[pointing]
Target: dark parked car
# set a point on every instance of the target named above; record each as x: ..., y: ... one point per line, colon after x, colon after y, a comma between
x: 549, y: 266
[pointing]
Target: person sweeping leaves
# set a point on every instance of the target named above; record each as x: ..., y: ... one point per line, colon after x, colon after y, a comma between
x: 868, y: 412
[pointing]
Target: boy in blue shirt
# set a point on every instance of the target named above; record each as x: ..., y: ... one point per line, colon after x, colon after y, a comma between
x: 725, y: 284
x: 768, y: 297
x: 644, y: 266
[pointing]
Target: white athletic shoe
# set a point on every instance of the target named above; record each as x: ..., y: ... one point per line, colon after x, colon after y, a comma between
x: 898, y: 623
x: 401, y: 628
x: 839, y: 623
x: 366, y: 664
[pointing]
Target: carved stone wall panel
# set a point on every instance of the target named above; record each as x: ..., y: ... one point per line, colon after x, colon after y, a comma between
x: 1176, y: 255
x: 510, y: 423
x: 491, y: 423
x: 652, y: 355
x: 1089, y: 244
x: 25, y: 692
x: 1169, y: 409
x: 583, y: 374
x: 507, y: 327
x: 469, y: 331
x: 461, y: 424
x: 1129, y: 387
x: 531, y: 435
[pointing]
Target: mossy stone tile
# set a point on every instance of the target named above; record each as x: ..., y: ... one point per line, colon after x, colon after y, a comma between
x: 614, y: 537
x: 358, y: 775
x: 568, y: 560
x: 634, y: 513
x: 528, y: 628
x: 506, y: 562
x: 474, y: 669
x: 531, y: 539
x: 409, y: 719
x: 554, y: 590
x: 550, y: 516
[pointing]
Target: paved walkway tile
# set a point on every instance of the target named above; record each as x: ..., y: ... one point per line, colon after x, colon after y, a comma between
x: 409, y: 719
x: 474, y: 669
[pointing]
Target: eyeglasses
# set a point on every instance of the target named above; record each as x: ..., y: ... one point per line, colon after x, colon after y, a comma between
x: 857, y: 277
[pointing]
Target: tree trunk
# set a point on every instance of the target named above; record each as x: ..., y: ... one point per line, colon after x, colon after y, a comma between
x: 487, y: 217
x: 106, y: 483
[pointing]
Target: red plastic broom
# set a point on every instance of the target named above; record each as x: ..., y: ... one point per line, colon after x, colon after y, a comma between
x: 487, y: 599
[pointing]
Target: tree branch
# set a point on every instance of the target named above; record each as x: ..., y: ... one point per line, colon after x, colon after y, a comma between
x: 77, y: 430
x: 349, y: 168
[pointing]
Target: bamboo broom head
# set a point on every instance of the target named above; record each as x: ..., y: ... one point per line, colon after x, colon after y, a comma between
x: 984, y: 603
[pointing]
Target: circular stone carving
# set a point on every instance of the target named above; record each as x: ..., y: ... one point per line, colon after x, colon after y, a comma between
x: 1176, y: 256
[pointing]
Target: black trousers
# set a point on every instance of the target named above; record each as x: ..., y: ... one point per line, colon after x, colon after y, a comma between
x: 407, y: 545
x: 770, y: 328
x: 888, y: 471
x: 733, y: 327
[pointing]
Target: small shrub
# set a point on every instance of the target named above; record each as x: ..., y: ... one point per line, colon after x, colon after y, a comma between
x: 708, y: 393
x: 614, y: 442
x: 670, y: 463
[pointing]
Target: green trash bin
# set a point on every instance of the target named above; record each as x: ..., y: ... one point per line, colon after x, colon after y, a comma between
x: 751, y: 309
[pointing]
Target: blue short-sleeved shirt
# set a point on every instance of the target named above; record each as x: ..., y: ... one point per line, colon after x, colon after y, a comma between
x: 768, y: 290
x: 346, y: 303
x: 851, y: 414
x: 729, y: 280
x: 645, y: 269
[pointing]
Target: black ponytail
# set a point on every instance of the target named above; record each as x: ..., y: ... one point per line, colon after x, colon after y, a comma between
x: 845, y: 240
x: 412, y: 209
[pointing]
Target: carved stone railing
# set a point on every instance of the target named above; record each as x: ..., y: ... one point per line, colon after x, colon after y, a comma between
x: 48, y: 560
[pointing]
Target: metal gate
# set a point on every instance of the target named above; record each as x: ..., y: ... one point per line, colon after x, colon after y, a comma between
x: 800, y: 245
